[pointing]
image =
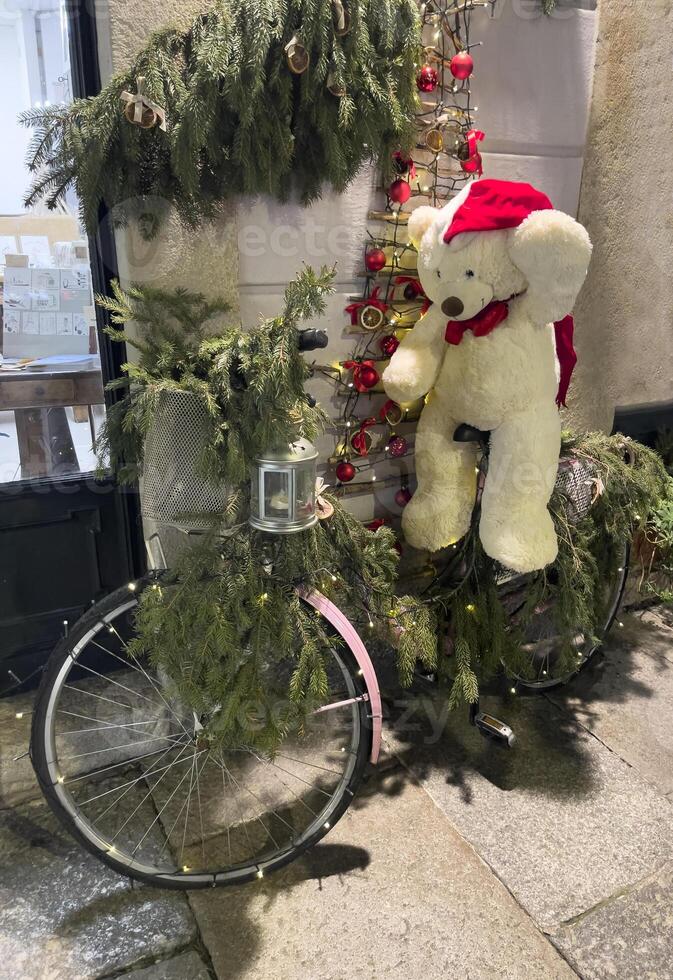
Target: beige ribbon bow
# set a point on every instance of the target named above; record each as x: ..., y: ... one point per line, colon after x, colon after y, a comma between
x: 323, y: 507
x: 142, y: 101
x: 340, y: 22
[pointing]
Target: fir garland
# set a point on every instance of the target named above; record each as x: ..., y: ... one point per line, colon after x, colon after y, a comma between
x: 633, y: 482
x: 251, y: 383
x: 229, y: 612
x: 239, y: 120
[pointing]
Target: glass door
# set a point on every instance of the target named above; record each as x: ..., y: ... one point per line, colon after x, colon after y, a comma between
x: 51, y: 391
x: 66, y: 536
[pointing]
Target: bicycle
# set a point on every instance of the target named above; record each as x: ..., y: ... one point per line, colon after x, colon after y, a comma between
x: 132, y: 776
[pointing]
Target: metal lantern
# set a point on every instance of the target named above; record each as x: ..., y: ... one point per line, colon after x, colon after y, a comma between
x: 282, y: 497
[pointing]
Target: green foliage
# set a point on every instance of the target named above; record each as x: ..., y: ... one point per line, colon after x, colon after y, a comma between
x: 239, y: 121
x: 228, y: 628
x: 491, y: 612
x: 251, y: 383
x: 548, y: 6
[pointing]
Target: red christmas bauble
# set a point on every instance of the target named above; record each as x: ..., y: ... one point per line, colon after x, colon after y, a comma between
x: 345, y: 471
x: 368, y: 376
x: 427, y: 78
x: 399, y: 191
x: 389, y: 344
x: 375, y: 259
x: 397, y: 446
x: 403, y: 496
x: 461, y: 65
x: 473, y: 165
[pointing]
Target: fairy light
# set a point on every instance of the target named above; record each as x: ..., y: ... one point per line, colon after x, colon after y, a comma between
x: 260, y: 872
x: 264, y: 596
x: 19, y: 715
x: 132, y: 586
x: 470, y: 607
x: 512, y: 690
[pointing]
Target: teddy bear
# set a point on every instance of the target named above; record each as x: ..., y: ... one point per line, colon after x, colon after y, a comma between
x: 501, y: 270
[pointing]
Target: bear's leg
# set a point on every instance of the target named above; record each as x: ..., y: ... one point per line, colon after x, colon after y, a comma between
x: 516, y: 527
x: 439, y: 512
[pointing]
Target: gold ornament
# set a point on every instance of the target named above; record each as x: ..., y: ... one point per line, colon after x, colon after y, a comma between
x: 298, y: 58
x: 141, y: 110
x: 434, y: 140
x: 370, y: 318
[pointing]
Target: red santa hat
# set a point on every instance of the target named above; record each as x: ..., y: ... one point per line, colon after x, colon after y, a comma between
x: 494, y: 204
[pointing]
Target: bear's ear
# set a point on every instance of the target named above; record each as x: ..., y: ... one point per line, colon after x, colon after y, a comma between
x: 552, y: 250
x: 419, y: 221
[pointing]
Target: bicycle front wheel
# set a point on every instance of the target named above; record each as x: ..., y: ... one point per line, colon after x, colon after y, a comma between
x: 128, y: 772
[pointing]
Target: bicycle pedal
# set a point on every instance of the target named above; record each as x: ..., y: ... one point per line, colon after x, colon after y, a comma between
x: 494, y: 729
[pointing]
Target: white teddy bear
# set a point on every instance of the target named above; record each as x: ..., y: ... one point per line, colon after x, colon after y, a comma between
x: 498, y: 266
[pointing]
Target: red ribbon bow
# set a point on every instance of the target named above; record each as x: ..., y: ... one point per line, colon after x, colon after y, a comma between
x: 359, y: 438
x: 373, y: 300
x: 481, y: 325
x: 472, y: 137
x: 405, y: 162
x: 496, y: 313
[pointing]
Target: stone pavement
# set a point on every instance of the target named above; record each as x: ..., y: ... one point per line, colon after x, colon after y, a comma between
x: 458, y: 860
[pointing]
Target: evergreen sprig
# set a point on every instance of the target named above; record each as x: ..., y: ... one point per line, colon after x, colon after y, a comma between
x: 250, y: 382
x: 491, y: 614
x: 228, y: 627
x: 239, y: 121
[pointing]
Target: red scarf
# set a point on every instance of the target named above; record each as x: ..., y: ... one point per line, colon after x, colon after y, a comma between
x: 496, y: 313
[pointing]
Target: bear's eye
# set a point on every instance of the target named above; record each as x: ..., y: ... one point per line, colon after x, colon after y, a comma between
x: 469, y: 274
x: 438, y: 274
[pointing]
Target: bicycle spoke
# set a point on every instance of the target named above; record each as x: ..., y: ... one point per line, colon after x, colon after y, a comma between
x: 108, y: 680
x: 116, y: 748
x: 158, y: 816
x: 142, y: 670
x: 149, y: 793
x: 133, y: 782
x: 283, y: 783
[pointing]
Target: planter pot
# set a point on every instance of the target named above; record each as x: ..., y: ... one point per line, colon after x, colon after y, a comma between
x: 172, y: 491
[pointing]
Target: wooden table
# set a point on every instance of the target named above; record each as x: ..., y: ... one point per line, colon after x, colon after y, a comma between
x: 38, y: 399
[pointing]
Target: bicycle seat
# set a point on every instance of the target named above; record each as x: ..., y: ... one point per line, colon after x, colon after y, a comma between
x: 468, y: 433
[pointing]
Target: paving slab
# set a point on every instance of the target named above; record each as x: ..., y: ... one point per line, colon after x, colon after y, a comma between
x: 627, y: 938
x: 562, y: 820
x: 625, y: 698
x: 393, y: 892
x: 64, y: 916
x: 17, y: 780
x: 187, y: 966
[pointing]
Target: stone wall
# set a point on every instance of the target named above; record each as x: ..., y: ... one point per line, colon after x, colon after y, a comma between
x: 625, y: 314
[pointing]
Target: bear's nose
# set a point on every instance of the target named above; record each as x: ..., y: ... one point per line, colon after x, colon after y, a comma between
x: 452, y: 306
